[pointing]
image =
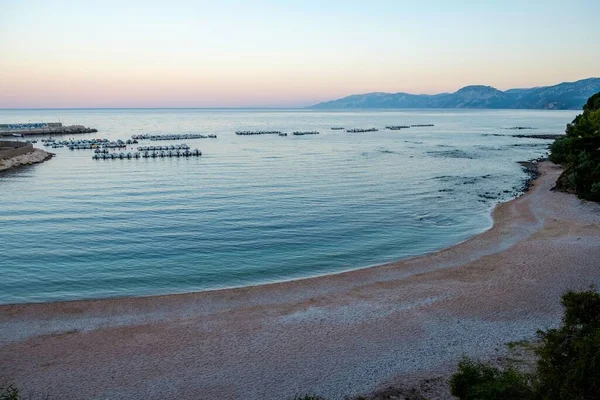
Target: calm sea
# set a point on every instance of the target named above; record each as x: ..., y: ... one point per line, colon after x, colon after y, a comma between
x: 253, y: 209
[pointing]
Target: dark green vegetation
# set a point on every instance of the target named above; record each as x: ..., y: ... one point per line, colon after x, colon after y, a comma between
x: 568, y: 366
x: 564, y: 96
x: 9, y: 393
x: 479, y: 381
x: 579, y: 153
x: 308, y: 397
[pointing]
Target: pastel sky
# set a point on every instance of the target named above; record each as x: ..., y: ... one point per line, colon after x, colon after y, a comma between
x: 271, y: 53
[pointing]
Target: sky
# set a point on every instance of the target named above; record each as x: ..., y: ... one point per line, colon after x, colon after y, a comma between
x: 267, y: 53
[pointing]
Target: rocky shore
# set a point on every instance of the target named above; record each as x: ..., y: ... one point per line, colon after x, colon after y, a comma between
x: 35, y: 157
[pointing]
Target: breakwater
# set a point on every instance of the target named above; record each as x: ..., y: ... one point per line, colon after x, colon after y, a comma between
x: 14, y: 149
x: 43, y: 128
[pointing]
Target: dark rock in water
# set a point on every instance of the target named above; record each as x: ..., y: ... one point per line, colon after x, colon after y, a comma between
x: 452, y: 154
x: 532, y: 169
x: 520, y: 127
x: 545, y: 136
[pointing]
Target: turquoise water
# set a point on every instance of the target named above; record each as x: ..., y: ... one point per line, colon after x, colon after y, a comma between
x: 252, y: 209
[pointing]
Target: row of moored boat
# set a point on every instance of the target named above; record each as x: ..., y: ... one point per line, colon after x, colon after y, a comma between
x: 251, y: 133
x: 299, y: 133
x: 147, y: 154
x: 182, y: 146
x: 359, y: 130
x: 398, y: 127
x: 148, y: 136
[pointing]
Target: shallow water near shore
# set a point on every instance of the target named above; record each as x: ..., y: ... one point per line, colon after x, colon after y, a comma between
x: 253, y: 209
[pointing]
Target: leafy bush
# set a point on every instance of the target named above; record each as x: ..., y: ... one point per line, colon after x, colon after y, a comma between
x: 10, y: 393
x: 480, y: 381
x: 568, y: 366
x: 569, y: 358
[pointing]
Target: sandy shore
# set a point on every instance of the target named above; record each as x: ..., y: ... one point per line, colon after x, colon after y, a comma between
x: 34, y: 157
x: 336, y: 335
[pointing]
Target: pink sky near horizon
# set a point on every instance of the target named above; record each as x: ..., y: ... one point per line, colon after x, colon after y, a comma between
x: 69, y: 54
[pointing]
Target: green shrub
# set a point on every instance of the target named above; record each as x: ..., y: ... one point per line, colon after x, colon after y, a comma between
x: 569, y: 358
x: 480, y: 381
x: 10, y: 393
x: 568, y: 366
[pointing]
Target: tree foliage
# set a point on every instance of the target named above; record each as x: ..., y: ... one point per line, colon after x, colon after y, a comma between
x: 579, y: 152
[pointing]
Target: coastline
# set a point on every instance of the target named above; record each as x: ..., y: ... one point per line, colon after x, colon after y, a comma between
x: 37, y: 156
x: 334, y: 335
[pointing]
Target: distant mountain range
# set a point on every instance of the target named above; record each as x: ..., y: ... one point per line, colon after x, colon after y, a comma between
x: 564, y: 96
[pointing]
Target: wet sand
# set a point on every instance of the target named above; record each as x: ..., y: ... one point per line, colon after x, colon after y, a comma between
x: 336, y: 335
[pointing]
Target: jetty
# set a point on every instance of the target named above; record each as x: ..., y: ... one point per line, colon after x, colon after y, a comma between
x: 359, y: 130
x: 421, y: 125
x: 250, y: 133
x: 302, y: 133
x: 15, y: 153
x: 42, y: 128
